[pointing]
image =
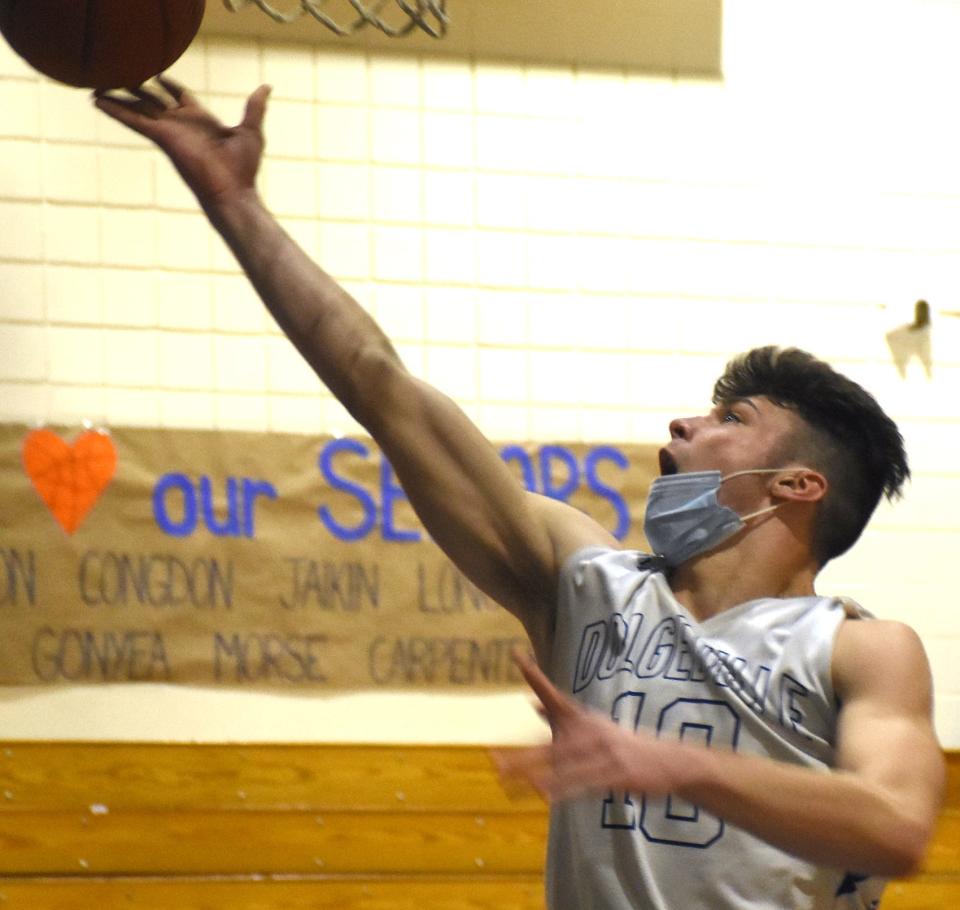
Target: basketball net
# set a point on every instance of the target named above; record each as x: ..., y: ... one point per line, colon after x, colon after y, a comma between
x: 428, y: 15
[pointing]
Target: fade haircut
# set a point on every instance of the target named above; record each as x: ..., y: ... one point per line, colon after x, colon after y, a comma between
x: 848, y: 437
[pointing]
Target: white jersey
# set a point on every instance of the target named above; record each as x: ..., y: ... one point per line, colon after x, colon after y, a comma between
x: 755, y: 679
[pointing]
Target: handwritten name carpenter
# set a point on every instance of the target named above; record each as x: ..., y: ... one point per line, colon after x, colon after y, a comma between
x: 442, y: 661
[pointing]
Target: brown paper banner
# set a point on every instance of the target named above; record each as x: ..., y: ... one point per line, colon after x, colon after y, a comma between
x: 255, y: 560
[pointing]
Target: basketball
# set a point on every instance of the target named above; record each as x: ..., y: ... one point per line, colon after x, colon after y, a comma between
x: 100, y: 44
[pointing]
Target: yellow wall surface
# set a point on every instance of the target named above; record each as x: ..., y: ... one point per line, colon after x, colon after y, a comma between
x: 573, y: 254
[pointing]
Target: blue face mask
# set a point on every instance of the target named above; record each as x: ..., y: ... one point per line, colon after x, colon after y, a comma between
x: 684, y: 518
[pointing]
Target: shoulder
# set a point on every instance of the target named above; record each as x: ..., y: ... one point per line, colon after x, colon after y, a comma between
x: 864, y: 640
x: 570, y: 530
x: 881, y: 658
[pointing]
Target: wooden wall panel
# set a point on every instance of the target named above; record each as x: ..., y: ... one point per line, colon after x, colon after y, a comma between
x: 201, y: 777
x: 299, y: 827
x: 953, y: 781
x: 285, y: 843
x: 501, y: 893
x: 943, y: 857
x: 923, y: 894
x: 492, y: 893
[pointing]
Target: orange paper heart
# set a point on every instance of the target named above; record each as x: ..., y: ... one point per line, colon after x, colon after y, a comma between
x: 69, y: 478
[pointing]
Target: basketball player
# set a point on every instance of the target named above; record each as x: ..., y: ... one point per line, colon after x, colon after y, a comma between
x: 723, y: 737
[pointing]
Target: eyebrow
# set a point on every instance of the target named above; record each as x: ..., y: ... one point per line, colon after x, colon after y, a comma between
x: 731, y: 401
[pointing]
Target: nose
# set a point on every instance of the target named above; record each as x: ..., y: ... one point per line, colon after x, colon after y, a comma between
x: 681, y: 428
x: 685, y: 427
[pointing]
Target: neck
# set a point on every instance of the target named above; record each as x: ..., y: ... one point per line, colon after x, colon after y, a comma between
x: 756, y: 566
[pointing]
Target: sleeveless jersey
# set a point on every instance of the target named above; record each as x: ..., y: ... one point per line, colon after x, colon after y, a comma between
x: 755, y: 679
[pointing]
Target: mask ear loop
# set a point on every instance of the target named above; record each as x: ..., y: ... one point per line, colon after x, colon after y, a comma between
x: 760, y: 512
x: 767, y: 509
x: 752, y: 471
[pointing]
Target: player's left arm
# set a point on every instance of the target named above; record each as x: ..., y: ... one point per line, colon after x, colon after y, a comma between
x: 885, y: 734
x: 873, y: 813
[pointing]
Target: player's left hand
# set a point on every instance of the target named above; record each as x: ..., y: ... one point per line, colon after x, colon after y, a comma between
x: 590, y: 754
x: 217, y: 162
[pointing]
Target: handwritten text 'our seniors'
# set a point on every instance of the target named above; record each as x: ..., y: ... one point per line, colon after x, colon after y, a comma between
x: 184, y: 505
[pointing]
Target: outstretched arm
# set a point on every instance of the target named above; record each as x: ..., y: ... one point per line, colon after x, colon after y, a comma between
x: 510, y: 543
x: 873, y: 813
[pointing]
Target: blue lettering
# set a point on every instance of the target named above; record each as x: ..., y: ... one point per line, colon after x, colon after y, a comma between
x: 620, y: 810
x: 251, y: 490
x: 682, y: 667
x: 521, y: 457
x: 199, y: 497
x: 231, y: 526
x: 622, y: 633
x: 367, y: 504
x: 390, y: 492
x: 592, y: 643
x: 658, y: 651
x: 549, y: 455
x: 593, y: 459
x: 753, y: 692
x: 186, y: 526
x: 791, y: 708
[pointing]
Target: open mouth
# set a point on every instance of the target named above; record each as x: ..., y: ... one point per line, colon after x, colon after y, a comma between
x: 667, y: 464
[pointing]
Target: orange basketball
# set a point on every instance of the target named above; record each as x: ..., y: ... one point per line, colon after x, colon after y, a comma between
x: 100, y: 43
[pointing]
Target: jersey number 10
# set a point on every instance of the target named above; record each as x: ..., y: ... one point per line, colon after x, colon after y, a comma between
x: 669, y: 819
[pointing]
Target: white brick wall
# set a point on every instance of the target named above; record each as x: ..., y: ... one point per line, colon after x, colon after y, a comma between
x: 571, y: 254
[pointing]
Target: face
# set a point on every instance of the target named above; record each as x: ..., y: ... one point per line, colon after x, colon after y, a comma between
x: 734, y: 436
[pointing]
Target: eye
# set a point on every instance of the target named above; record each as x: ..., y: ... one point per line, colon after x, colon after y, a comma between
x: 730, y: 416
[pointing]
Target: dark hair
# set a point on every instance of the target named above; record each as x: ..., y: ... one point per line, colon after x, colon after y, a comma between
x: 856, y: 446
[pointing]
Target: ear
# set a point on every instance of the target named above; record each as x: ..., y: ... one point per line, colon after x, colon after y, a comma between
x: 799, y: 485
